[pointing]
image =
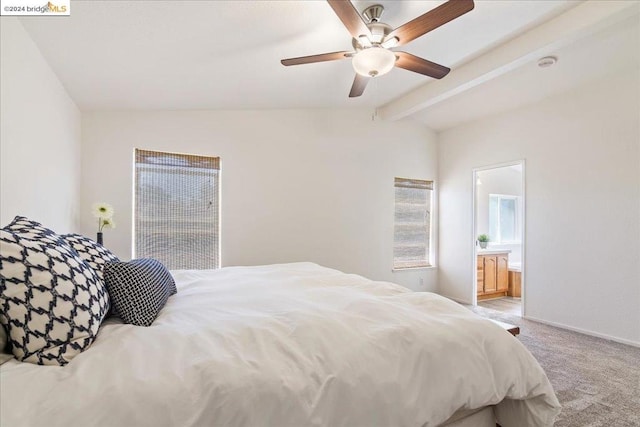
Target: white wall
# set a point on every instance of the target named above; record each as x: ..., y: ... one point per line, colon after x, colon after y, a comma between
x: 40, y: 136
x: 505, y: 181
x: 582, y: 151
x: 297, y: 185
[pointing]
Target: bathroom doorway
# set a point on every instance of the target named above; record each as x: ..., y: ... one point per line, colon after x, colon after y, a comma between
x: 499, y: 236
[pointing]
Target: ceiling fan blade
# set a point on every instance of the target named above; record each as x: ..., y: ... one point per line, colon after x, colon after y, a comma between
x: 431, y: 20
x: 350, y: 18
x: 333, y: 56
x: 359, y: 83
x: 418, y: 65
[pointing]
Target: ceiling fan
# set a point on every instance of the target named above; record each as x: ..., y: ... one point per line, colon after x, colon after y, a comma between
x: 373, y: 41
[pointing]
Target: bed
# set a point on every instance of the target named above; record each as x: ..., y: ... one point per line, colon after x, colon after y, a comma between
x: 289, y: 345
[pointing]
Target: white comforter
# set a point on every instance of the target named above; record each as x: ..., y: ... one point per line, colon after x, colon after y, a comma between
x: 286, y: 345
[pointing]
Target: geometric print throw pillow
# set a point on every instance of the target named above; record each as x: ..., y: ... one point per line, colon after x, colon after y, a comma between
x: 90, y: 251
x: 138, y: 289
x: 32, y: 230
x: 51, y: 301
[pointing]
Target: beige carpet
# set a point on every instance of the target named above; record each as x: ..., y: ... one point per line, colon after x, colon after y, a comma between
x: 597, y: 381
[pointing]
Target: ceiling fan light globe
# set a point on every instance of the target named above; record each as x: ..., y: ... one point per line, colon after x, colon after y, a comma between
x: 373, y: 62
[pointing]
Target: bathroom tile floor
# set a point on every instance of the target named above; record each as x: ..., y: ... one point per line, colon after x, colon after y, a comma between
x: 507, y: 305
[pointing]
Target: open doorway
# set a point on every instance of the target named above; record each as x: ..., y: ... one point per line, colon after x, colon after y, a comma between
x: 498, y: 227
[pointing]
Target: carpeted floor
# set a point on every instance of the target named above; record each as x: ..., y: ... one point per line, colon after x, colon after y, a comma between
x: 597, y: 381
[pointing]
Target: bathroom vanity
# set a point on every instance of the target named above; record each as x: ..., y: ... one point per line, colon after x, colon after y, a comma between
x: 493, y: 273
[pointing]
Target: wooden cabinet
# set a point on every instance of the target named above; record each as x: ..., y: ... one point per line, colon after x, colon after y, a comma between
x: 480, y: 276
x: 490, y: 268
x: 493, y: 275
x: 515, y: 284
x: 502, y: 273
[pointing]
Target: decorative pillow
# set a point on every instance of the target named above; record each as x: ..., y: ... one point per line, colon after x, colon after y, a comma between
x: 51, y: 301
x: 90, y: 251
x: 32, y: 229
x: 138, y: 289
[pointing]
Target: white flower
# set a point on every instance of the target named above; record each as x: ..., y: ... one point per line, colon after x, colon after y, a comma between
x: 102, y: 210
x: 107, y: 222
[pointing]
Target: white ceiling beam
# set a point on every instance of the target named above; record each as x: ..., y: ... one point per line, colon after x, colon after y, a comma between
x: 578, y: 22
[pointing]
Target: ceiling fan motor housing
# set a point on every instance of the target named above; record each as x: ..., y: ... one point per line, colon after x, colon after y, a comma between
x: 379, y: 30
x: 373, y: 13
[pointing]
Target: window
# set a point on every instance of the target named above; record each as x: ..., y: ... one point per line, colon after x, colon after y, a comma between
x: 504, y: 226
x: 412, y: 228
x: 176, y: 215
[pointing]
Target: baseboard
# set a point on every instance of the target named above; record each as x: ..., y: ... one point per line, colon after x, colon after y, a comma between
x: 458, y: 300
x: 586, y: 332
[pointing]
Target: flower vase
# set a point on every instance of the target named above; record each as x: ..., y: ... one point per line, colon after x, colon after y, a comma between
x: 100, y: 237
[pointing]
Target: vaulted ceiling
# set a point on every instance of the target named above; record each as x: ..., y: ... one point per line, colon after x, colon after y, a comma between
x: 118, y: 55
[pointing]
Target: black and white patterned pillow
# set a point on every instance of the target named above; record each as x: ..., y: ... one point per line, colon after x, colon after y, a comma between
x: 33, y: 230
x: 138, y: 289
x: 51, y: 301
x: 92, y: 252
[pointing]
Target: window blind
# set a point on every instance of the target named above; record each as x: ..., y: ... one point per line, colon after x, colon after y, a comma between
x: 412, y: 226
x: 176, y: 215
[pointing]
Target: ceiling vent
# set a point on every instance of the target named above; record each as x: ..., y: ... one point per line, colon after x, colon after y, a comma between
x: 547, y: 61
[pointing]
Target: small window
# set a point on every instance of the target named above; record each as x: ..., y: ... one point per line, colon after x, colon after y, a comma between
x: 412, y: 227
x: 176, y: 215
x: 503, y: 218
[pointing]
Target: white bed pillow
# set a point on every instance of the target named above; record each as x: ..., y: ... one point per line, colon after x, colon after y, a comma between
x: 51, y: 301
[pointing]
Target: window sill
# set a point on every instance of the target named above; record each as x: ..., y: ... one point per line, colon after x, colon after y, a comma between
x: 504, y: 243
x: 398, y: 270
